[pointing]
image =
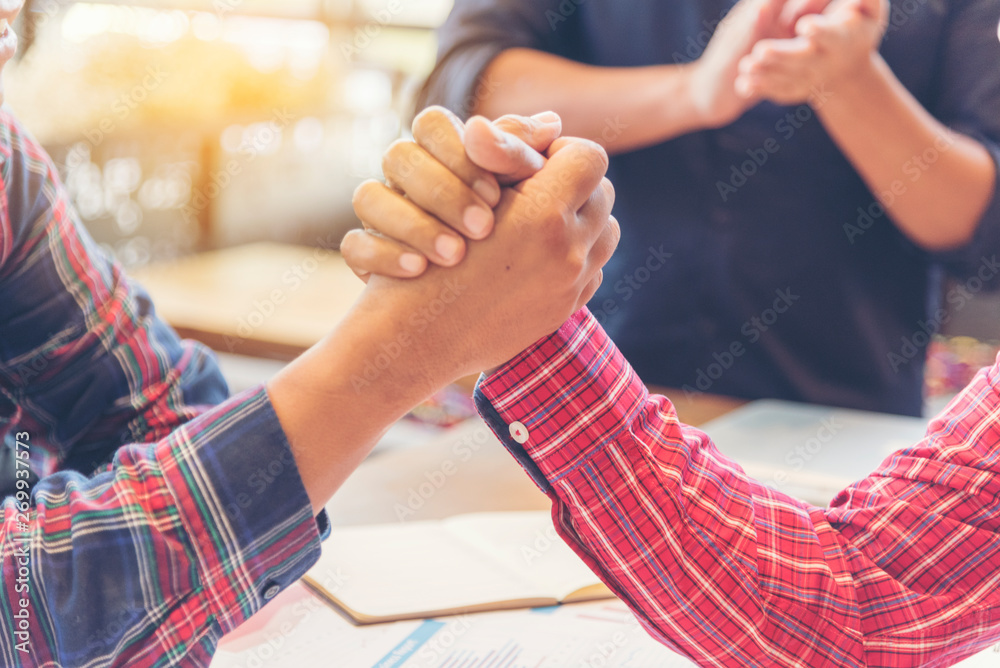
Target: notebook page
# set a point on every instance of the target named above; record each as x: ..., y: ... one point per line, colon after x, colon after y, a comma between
x: 526, y: 543
x: 400, y: 569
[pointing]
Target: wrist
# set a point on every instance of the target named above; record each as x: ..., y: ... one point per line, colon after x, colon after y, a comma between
x: 338, y: 399
x: 403, y: 341
x: 692, y: 92
x: 854, y: 89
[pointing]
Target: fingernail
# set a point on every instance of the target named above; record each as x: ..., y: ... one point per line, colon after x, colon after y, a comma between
x: 548, y: 117
x: 488, y: 190
x: 477, y: 221
x: 447, y: 247
x: 411, y: 262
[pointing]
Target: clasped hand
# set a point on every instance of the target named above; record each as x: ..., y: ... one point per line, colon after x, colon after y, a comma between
x: 785, y: 51
x: 537, y: 205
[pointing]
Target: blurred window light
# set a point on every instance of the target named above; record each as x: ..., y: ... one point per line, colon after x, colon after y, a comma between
x: 262, y: 139
x: 367, y: 92
x: 206, y: 27
x: 232, y: 138
x: 269, y: 43
x: 155, y: 27
x: 122, y: 174
x: 418, y: 13
x: 308, y: 135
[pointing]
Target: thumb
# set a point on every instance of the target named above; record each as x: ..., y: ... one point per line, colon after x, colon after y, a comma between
x: 511, y: 147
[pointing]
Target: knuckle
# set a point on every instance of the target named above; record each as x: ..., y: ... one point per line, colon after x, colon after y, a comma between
x: 416, y: 231
x: 576, y: 260
x: 363, y: 194
x: 356, y: 249
x: 596, y: 155
x: 616, y: 230
x: 555, y: 235
x: 427, y: 120
x: 349, y: 243
x: 445, y: 191
x: 608, y: 189
x: 515, y: 125
x: 398, y: 154
x: 557, y: 214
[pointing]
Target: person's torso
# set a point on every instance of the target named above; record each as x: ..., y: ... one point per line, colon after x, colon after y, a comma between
x: 784, y: 278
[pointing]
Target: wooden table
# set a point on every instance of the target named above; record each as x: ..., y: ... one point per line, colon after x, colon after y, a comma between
x: 260, y: 300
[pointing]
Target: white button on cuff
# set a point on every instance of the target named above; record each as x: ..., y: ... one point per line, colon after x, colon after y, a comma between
x: 271, y: 592
x: 519, y: 432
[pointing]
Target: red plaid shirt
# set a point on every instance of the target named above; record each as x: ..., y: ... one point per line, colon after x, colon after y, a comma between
x: 902, y: 569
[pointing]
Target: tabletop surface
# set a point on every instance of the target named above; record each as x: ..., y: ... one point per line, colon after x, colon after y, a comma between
x: 464, y: 471
x: 265, y: 299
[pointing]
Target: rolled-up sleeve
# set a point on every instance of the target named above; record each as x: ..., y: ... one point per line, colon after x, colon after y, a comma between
x: 474, y: 34
x: 901, y: 570
x: 968, y: 101
x: 150, y: 563
x: 142, y: 517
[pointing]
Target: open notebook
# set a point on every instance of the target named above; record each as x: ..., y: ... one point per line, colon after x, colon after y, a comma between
x: 468, y: 563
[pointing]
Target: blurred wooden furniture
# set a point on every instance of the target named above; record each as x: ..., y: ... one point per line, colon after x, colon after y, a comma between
x: 261, y: 300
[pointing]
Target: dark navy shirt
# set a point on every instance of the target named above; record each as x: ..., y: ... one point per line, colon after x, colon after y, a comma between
x: 754, y: 260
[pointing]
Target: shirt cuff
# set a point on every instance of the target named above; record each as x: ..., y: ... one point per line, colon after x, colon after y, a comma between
x: 242, y: 501
x: 560, y: 401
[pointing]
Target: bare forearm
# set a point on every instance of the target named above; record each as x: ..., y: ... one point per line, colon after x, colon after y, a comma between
x: 935, y: 183
x: 621, y: 108
x: 337, y: 400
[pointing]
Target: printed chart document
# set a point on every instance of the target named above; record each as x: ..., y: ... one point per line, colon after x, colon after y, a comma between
x: 811, y: 452
x: 468, y: 563
x: 296, y: 629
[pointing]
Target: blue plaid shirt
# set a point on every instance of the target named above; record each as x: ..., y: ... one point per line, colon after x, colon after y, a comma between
x: 144, y: 514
